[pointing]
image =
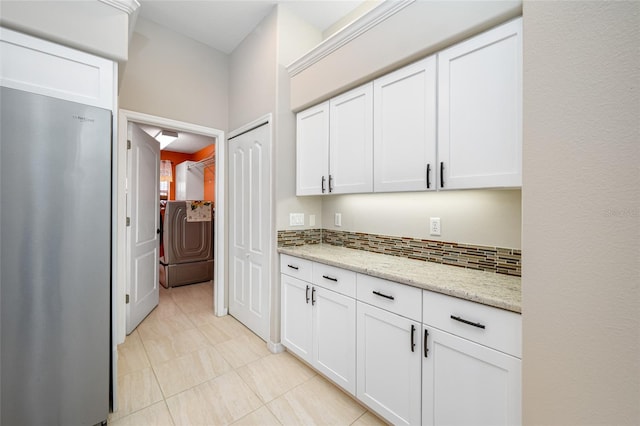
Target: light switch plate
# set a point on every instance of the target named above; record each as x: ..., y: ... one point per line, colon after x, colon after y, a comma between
x: 338, y: 219
x: 296, y: 219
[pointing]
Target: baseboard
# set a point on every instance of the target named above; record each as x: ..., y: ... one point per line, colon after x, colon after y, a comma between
x: 275, y: 348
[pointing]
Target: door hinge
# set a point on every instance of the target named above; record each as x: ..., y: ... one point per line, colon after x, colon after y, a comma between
x: 128, y: 221
x: 126, y: 299
x: 128, y: 144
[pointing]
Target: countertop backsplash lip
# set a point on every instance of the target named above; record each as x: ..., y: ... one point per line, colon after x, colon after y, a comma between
x: 492, y: 289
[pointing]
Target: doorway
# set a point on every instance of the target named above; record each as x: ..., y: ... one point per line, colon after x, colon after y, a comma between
x: 120, y: 290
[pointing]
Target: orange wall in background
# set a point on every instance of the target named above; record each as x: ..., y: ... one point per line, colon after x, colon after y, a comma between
x: 175, y: 158
x: 209, y: 171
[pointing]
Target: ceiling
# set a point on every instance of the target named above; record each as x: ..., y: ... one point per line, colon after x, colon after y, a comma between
x: 187, y: 143
x: 223, y: 24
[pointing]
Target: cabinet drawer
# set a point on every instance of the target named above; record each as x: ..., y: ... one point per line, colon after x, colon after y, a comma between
x: 486, y: 325
x: 336, y: 279
x: 295, y: 267
x: 394, y: 297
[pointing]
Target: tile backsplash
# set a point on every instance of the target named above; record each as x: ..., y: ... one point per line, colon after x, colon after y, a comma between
x: 493, y: 259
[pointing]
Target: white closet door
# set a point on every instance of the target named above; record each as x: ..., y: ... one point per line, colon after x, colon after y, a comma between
x: 249, y: 221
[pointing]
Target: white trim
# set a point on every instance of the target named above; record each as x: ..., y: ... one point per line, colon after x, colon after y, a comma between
x: 128, y: 6
x: 352, y: 31
x: 120, y: 155
x: 265, y: 119
x: 275, y: 348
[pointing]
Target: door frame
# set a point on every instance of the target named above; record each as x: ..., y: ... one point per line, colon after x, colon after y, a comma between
x: 120, y: 209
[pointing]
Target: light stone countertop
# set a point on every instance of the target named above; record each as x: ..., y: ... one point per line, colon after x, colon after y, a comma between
x: 498, y: 290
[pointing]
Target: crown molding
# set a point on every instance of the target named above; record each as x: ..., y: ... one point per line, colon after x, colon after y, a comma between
x: 128, y: 6
x: 351, y: 31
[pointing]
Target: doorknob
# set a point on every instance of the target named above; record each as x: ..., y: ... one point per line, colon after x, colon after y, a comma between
x: 158, y: 231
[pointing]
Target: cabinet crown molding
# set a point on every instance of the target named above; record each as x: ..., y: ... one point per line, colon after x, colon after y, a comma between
x: 128, y: 6
x: 351, y: 31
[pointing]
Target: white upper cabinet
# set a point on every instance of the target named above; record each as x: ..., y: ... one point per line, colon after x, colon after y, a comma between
x: 480, y: 110
x: 39, y: 66
x: 312, y: 155
x: 335, y: 145
x: 351, y: 142
x: 405, y: 128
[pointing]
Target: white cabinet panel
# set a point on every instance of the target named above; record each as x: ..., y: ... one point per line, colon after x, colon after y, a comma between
x: 38, y: 66
x: 388, y: 364
x: 492, y: 327
x: 464, y: 383
x: 334, y: 337
x: 405, y: 128
x: 296, y: 316
x: 351, y: 142
x: 312, y: 150
x: 480, y: 110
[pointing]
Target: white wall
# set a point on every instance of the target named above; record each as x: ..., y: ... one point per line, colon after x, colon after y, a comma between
x: 172, y: 76
x: 90, y: 26
x: 480, y: 217
x: 581, y: 213
x: 295, y: 37
x: 252, y: 82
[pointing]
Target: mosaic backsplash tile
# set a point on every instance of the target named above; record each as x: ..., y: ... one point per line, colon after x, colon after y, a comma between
x: 493, y: 259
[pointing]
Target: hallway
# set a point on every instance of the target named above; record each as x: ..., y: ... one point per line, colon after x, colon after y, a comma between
x: 185, y: 366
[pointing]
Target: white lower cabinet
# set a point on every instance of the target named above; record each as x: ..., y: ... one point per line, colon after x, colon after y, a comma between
x: 388, y: 364
x: 464, y: 383
x: 471, y: 370
x: 296, y: 316
x: 334, y: 337
x: 318, y: 324
x: 414, y: 357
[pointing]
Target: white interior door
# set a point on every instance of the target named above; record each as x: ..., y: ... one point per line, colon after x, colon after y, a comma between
x: 143, y: 232
x: 249, y: 221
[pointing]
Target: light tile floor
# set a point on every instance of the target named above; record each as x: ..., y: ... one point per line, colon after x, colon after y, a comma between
x: 185, y: 366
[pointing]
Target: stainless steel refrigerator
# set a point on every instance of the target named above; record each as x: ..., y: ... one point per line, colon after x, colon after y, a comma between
x: 55, y: 257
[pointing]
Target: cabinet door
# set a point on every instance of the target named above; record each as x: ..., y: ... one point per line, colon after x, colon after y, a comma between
x: 351, y: 141
x: 334, y: 337
x: 388, y: 365
x: 296, y: 316
x: 405, y: 129
x: 480, y: 110
x: 464, y: 383
x: 312, y: 150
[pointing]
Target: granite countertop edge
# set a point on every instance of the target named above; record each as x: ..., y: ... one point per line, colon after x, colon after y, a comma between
x: 488, y: 288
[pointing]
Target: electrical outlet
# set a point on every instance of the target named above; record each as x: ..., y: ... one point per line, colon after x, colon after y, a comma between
x: 312, y: 220
x: 296, y: 219
x: 434, y: 226
x: 338, y: 219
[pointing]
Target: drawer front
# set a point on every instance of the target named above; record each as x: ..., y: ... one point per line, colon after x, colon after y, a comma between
x: 394, y: 297
x: 337, y: 279
x: 295, y: 267
x: 486, y: 325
